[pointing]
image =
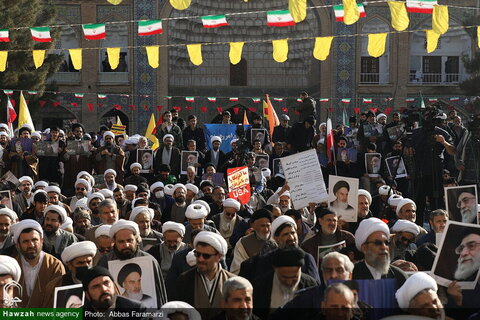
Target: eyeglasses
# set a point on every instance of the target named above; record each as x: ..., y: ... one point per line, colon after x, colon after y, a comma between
x: 472, y: 245
x: 80, y: 189
x: 464, y: 201
x: 103, y: 250
x: 379, y: 243
x: 205, y: 256
x: 403, y: 239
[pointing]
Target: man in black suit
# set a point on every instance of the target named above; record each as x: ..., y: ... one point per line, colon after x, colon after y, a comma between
x: 167, y: 154
x: 215, y: 156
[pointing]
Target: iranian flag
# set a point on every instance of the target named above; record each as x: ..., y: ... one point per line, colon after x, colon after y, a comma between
x: 233, y: 99
x: 149, y: 27
x: 278, y: 99
x: 299, y: 100
x: 324, y: 99
x: 339, y: 12
x: 190, y: 99
x: 101, y: 96
x: 32, y: 92
x: 4, y: 35
x: 168, y: 97
x: 94, y: 31
x: 432, y: 99
x: 410, y: 100
x: 11, y: 114
x: 421, y: 6
x: 8, y: 92
x: 79, y: 95
x: 455, y: 99
x: 214, y: 21
x: 329, y: 139
x: 367, y: 100
x: 279, y: 18
x: 41, y: 34
x: 346, y: 100
x: 256, y: 100
x: 212, y: 99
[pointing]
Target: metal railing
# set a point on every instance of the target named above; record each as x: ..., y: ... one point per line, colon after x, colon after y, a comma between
x: 436, y: 78
x: 369, y: 77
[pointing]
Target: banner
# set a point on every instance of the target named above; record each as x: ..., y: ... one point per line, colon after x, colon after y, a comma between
x: 118, y: 129
x: 225, y: 131
x: 238, y: 184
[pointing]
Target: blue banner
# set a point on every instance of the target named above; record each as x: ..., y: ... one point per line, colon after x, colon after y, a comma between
x: 225, y: 131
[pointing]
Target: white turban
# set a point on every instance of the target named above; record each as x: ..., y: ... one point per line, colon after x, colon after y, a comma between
x: 179, y: 185
x: 266, y: 172
x: 192, y: 188
x: 156, y: 185
x: 95, y: 195
x: 231, y: 203
x: 363, y: 192
x: 381, y: 115
x: 131, y: 141
x: 366, y: 228
x: 110, y: 171
x: 85, y: 183
x: 57, y: 209
x: 124, y: 224
x: 40, y: 183
x: 141, y: 209
x: 135, y: 165
x: 403, y: 202
x: 415, y: 283
x: 213, y: 239
x: 80, y: 203
x: 394, y: 200
x: 168, y: 136
x: 53, y: 189
x: 108, y: 134
x: 10, y: 213
x: 169, y: 189
x: 78, y: 249
x: 68, y: 224
x: 106, y: 193
x: 384, y: 190
x: 130, y: 187
x: 180, y: 307
x: 4, y: 126
x: 17, y: 228
x: 405, y: 226
x: 196, y: 211
x: 285, y: 193
x: 190, y: 258
x: 215, y: 138
x: 281, y: 220
x: 3, y: 133
x: 103, y: 230
x: 85, y: 173
x: 36, y: 135
x: 203, y: 203
x: 10, y: 266
x: 25, y: 178
x: 173, y: 226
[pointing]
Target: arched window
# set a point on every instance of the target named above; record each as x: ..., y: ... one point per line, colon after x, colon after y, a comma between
x: 374, y: 70
x: 117, y: 36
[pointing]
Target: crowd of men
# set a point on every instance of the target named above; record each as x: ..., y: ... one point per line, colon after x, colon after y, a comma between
x: 212, y: 256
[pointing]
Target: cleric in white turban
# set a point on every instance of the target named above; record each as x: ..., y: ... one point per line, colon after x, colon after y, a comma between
x: 17, y: 228
x: 78, y: 249
x: 173, y: 226
x: 367, y: 227
x: 213, y: 239
x: 196, y: 211
x: 280, y: 221
x: 10, y: 266
x: 124, y: 224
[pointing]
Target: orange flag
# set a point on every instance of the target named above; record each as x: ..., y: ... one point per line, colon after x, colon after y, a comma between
x: 271, y: 115
x: 245, y: 119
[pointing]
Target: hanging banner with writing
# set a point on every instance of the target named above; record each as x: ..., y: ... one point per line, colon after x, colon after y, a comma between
x: 238, y: 184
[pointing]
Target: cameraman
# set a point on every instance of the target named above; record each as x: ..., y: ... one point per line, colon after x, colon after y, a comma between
x: 429, y: 143
x: 468, y: 153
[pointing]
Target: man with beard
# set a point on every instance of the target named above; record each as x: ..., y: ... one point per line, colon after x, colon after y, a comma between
x: 418, y: 296
x: 218, y: 196
x: 363, y: 210
x: 372, y: 239
x: 196, y: 215
x: 143, y: 216
x: 407, y: 210
x: 438, y: 220
x: 108, y: 213
x: 168, y: 154
x: 55, y: 236
x: 126, y: 237
x: 340, y: 204
x: 282, y: 198
x: 135, y: 178
x: 469, y: 257
x: 101, y: 296
x: 215, y: 156
x: 81, y: 221
x: 109, y: 177
x: 467, y: 204
x: 109, y: 156
x: 130, y: 279
x: 124, y: 205
x: 35, y: 210
x: 7, y: 219
x: 237, y: 301
x: 38, y: 267
x: 173, y: 234
x: 103, y: 242
x: 93, y: 201
x: 158, y: 196
x: 192, y: 191
x: 404, y: 239
x: 228, y: 220
x: 55, y: 195
x: 77, y: 257
x: 48, y: 166
x: 25, y: 196
x: 178, y: 209
x: 82, y: 187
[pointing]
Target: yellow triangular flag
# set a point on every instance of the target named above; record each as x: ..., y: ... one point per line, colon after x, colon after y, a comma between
x: 398, y: 11
x: 376, y: 44
x: 440, y: 19
x: 119, y: 122
x: 3, y: 60
x: 23, y: 114
x: 432, y: 40
x: 38, y: 57
x: 76, y: 56
x: 153, y: 55
x: 113, y: 57
x: 236, y: 52
x: 478, y: 36
x: 298, y: 9
x: 195, y: 53
x: 351, y: 14
x: 149, y: 133
x: 322, y: 48
x: 280, y: 50
x: 115, y: 2
x: 180, y: 4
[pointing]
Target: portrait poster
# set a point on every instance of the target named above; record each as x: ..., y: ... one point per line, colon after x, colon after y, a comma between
x: 373, y: 164
x: 239, y: 184
x: 277, y: 167
x: 188, y: 158
x: 99, y: 181
x: 396, y: 132
x: 20, y: 145
x: 258, y: 134
x: 343, y: 198
x: 216, y: 178
x: 261, y: 161
x: 346, y: 154
x: 69, y: 296
x: 322, y: 251
x: 396, y: 167
x: 461, y: 203
x: 47, y: 148
x: 369, y: 130
x: 10, y: 177
x: 6, y: 199
x: 305, y: 179
x: 127, y: 273
x: 145, y: 157
x: 458, y: 257
x: 78, y: 148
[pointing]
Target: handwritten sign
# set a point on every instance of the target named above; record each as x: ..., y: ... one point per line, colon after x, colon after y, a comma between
x: 304, y: 176
x: 238, y: 184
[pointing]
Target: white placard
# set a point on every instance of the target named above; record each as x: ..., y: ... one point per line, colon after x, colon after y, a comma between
x: 305, y: 179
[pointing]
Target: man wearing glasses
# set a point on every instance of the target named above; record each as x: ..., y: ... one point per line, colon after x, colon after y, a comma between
x: 372, y: 239
x: 405, y: 233
x: 467, y: 203
x: 468, y: 261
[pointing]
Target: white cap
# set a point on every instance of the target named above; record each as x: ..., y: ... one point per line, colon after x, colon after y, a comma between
x: 40, y: 183
x: 394, y: 200
x: 231, y: 203
x: 281, y: 220
x: 403, y: 202
x: 85, y: 183
x: 109, y: 134
x: 141, y: 209
x: 25, y: 178
x: 196, y: 211
x: 363, y: 192
x: 9, y: 265
x: 381, y: 115
x: 169, y: 189
x: 58, y: 209
x: 203, y: 203
x: 213, y: 239
x: 78, y: 249
x: 174, y: 226
x: 168, y: 136
x: 180, y: 307
x: 192, y: 188
x: 266, y: 172
x: 366, y: 228
x: 10, y: 213
x: 17, y: 228
x: 36, y: 135
x: 135, y: 165
x: 124, y: 224
x: 110, y: 171
x: 179, y: 185
x: 156, y: 185
x: 68, y: 224
x: 415, y: 283
x: 103, y: 230
x: 405, y: 226
x: 130, y: 187
x: 384, y: 190
x: 53, y: 189
x: 106, y: 193
x: 215, y: 138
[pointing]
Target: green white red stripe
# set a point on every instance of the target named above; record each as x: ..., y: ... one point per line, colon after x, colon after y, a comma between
x: 168, y: 97
x: 455, y: 99
x: 346, y: 100
x: 421, y: 6
x: 339, y: 12
x: 410, y: 100
x: 149, y: 27
x: 41, y: 34
x: 4, y: 35
x: 278, y: 99
x: 432, y: 99
x: 233, y: 99
x: 190, y: 99
x: 8, y: 92
x: 94, y: 31
x: 299, y: 100
x: 214, y: 21
x: 79, y: 95
x: 367, y: 100
x: 324, y: 99
x: 279, y: 18
x: 32, y: 92
x: 212, y: 99
x: 101, y: 96
x: 256, y: 100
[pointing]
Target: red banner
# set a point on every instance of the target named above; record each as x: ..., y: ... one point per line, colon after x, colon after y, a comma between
x: 239, y: 184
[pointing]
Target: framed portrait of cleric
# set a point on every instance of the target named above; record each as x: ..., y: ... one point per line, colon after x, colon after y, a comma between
x: 396, y: 132
x: 458, y: 256
x: 47, y: 148
x: 346, y: 154
x: 261, y: 161
x: 461, y: 203
x: 69, y: 296
x: 134, y: 279
x: 396, y: 167
x: 369, y: 130
x: 9, y: 177
x: 277, y: 167
x: 342, y: 197
x: 188, y: 158
x: 258, y: 134
x: 145, y: 157
x: 373, y: 164
x: 78, y: 148
x: 6, y: 199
